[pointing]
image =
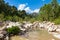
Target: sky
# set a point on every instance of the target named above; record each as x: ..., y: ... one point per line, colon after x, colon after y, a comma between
x: 29, y: 6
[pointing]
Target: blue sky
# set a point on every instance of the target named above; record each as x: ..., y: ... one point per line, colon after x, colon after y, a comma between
x: 30, y: 5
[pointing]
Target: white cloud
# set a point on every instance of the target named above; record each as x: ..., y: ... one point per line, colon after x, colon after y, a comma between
x: 36, y: 10
x: 21, y: 6
x: 27, y: 9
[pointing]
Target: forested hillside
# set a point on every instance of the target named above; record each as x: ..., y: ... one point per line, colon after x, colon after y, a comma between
x: 50, y: 12
x: 11, y: 13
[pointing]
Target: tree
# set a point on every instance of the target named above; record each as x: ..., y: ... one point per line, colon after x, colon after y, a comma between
x: 22, y: 14
x: 15, y: 18
x: 8, y: 18
x: 55, y: 7
x: 49, y: 12
x: 13, y: 11
x: 2, y: 3
x: 2, y: 16
x: 45, y: 12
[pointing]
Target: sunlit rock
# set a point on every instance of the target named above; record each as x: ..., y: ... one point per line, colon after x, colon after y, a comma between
x: 58, y: 30
x: 52, y: 28
x: 41, y: 25
x: 1, y: 35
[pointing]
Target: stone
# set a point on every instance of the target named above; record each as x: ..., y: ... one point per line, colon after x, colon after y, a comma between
x: 58, y: 30
x: 1, y: 35
x: 7, y: 38
x: 41, y: 25
x: 53, y: 39
x: 52, y: 29
x: 57, y: 35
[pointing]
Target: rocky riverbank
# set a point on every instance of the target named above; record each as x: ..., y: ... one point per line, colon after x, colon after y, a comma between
x: 28, y: 26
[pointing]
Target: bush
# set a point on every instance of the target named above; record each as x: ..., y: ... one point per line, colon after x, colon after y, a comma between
x: 57, y: 21
x: 32, y: 20
x: 13, y: 30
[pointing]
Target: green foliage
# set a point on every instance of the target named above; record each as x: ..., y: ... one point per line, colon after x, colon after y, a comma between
x: 49, y: 12
x: 8, y: 18
x: 45, y: 12
x: 22, y: 14
x: 15, y: 18
x: 13, y: 30
x: 32, y: 20
x: 1, y: 16
x: 57, y: 21
x: 11, y: 13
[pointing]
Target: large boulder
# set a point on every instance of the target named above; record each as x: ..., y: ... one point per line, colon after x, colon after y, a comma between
x: 35, y: 24
x: 41, y: 25
x: 58, y: 30
x: 10, y: 24
x: 52, y: 28
x: 1, y: 35
x: 26, y: 25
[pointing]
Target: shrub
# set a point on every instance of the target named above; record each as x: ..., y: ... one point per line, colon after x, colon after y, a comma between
x: 13, y: 30
x: 57, y: 21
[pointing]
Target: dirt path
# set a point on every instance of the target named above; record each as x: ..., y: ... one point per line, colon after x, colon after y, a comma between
x: 39, y: 35
x: 35, y: 35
